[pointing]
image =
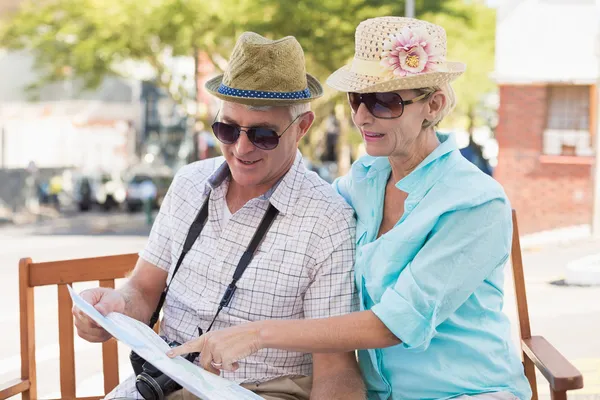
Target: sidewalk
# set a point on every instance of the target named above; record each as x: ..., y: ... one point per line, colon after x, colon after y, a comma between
x: 24, y: 217
x: 83, y: 224
x: 556, y: 236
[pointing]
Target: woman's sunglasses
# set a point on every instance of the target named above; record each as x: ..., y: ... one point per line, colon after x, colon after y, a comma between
x: 387, y: 105
x: 261, y: 137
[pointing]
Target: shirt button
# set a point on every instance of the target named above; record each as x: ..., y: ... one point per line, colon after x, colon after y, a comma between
x: 409, y: 207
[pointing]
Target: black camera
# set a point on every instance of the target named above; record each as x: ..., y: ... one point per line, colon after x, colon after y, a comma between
x: 150, y: 381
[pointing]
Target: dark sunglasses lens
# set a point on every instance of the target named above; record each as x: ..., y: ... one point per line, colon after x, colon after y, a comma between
x: 381, y: 105
x: 263, y: 138
x: 354, y: 99
x: 226, y: 133
x: 386, y: 105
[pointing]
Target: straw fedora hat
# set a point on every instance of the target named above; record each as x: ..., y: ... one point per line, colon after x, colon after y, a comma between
x: 263, y: 72
x: 396, y: 53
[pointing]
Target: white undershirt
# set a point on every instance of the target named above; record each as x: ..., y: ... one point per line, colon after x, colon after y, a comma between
x: 226, y: 214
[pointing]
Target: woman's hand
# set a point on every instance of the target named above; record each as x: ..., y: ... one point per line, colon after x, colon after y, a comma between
x: 220, y: 350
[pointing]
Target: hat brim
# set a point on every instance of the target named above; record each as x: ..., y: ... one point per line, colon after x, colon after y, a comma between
x: 345, y: 80
x: 314, y: 86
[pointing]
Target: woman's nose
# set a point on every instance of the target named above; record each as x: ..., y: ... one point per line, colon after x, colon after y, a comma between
x: 362, y: 116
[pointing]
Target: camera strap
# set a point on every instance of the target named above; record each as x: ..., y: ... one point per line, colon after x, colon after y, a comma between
x: 260, y: 233
x: 192, y: 236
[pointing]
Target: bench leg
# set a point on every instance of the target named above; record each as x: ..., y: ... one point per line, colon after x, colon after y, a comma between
x: 558, y: 395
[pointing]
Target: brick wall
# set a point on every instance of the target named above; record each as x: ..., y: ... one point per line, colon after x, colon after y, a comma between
x: 546, y: 195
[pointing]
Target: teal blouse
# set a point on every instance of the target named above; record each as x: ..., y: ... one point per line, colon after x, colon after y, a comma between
x: 436, y: 280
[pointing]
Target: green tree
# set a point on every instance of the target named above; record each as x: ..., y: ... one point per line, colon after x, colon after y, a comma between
x: 471, y: 39
x: 92, y: 39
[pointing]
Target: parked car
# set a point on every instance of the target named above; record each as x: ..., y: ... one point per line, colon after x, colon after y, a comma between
x: 84, y: 194
x: 104, y: 190
x: 134, y: 199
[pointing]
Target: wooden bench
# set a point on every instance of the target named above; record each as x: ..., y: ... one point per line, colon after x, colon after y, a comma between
x: 562, y: 376
x: 61, y: 273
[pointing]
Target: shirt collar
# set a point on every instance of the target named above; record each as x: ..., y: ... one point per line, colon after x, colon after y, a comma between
x: 429, y: 171
x: 283, y: 195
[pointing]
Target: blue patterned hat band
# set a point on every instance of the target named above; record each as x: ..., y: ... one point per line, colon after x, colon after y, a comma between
x: 257, y: 94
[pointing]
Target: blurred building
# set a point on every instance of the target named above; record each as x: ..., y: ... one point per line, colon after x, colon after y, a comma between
x: 164, y: 124
x: 63, y: 129
x: 546, y: 68
x: 65, y: 126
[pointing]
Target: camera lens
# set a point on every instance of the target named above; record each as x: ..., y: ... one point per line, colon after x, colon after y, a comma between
x: 148, y: 387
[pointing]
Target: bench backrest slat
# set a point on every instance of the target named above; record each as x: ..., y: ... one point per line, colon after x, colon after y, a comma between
x: 110, y: 354
x: 81, y: 270
x: 66, y: 343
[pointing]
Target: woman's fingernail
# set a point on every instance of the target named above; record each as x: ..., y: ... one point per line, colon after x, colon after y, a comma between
x: 170, y: 354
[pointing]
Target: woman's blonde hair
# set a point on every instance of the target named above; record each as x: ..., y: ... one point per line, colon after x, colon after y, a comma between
x: 448, y: 91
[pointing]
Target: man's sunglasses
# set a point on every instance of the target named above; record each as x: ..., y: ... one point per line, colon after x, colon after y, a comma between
x: 261, y: 137
x: 387, y: 105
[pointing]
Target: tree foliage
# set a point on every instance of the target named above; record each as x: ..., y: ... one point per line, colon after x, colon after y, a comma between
x: 470, y: 40
x: 92, y: 39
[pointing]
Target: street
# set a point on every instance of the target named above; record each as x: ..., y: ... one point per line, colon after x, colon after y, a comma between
x: 569, y: 317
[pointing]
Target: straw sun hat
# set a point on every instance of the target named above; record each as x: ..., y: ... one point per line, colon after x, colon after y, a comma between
x: 396, y: 53
x: 263, y: 72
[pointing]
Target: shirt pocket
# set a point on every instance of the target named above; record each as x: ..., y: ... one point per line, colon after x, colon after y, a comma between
x: 272, y: 286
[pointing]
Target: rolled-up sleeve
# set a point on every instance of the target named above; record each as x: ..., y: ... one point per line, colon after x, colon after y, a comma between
x: 464, y: 248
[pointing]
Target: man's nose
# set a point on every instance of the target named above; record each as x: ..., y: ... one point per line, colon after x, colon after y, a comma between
x: 243, y: 144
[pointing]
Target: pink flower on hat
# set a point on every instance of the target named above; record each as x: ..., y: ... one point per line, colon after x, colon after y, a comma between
x: 411, y: 52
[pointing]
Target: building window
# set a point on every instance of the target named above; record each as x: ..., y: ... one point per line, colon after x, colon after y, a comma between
x: 568, y: 121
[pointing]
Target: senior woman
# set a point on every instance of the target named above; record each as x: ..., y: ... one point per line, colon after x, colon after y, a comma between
x: 433, y: 235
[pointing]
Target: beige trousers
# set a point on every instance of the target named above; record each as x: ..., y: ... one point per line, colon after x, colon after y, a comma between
x: 277, y: 389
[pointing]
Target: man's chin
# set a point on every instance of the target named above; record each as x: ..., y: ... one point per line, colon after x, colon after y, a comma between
x: 246, y: 178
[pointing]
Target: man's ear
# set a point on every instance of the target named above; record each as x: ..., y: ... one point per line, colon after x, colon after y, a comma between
x: 305, y: 122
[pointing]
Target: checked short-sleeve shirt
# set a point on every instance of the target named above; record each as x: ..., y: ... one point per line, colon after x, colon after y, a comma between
x: 303, y: 268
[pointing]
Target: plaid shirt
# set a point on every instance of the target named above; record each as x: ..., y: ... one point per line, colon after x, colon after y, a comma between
x: 302, y: 268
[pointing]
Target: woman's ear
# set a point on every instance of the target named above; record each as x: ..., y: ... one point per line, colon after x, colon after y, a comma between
x: 435, y: 105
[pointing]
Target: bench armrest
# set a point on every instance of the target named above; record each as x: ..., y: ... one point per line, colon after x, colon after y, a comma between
x: 559, y: 372
x: 13, y: 388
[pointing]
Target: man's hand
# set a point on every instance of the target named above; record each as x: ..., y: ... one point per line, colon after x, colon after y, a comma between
x: 105, y: 301
x: 220, y: 350
x: 136, y: 299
